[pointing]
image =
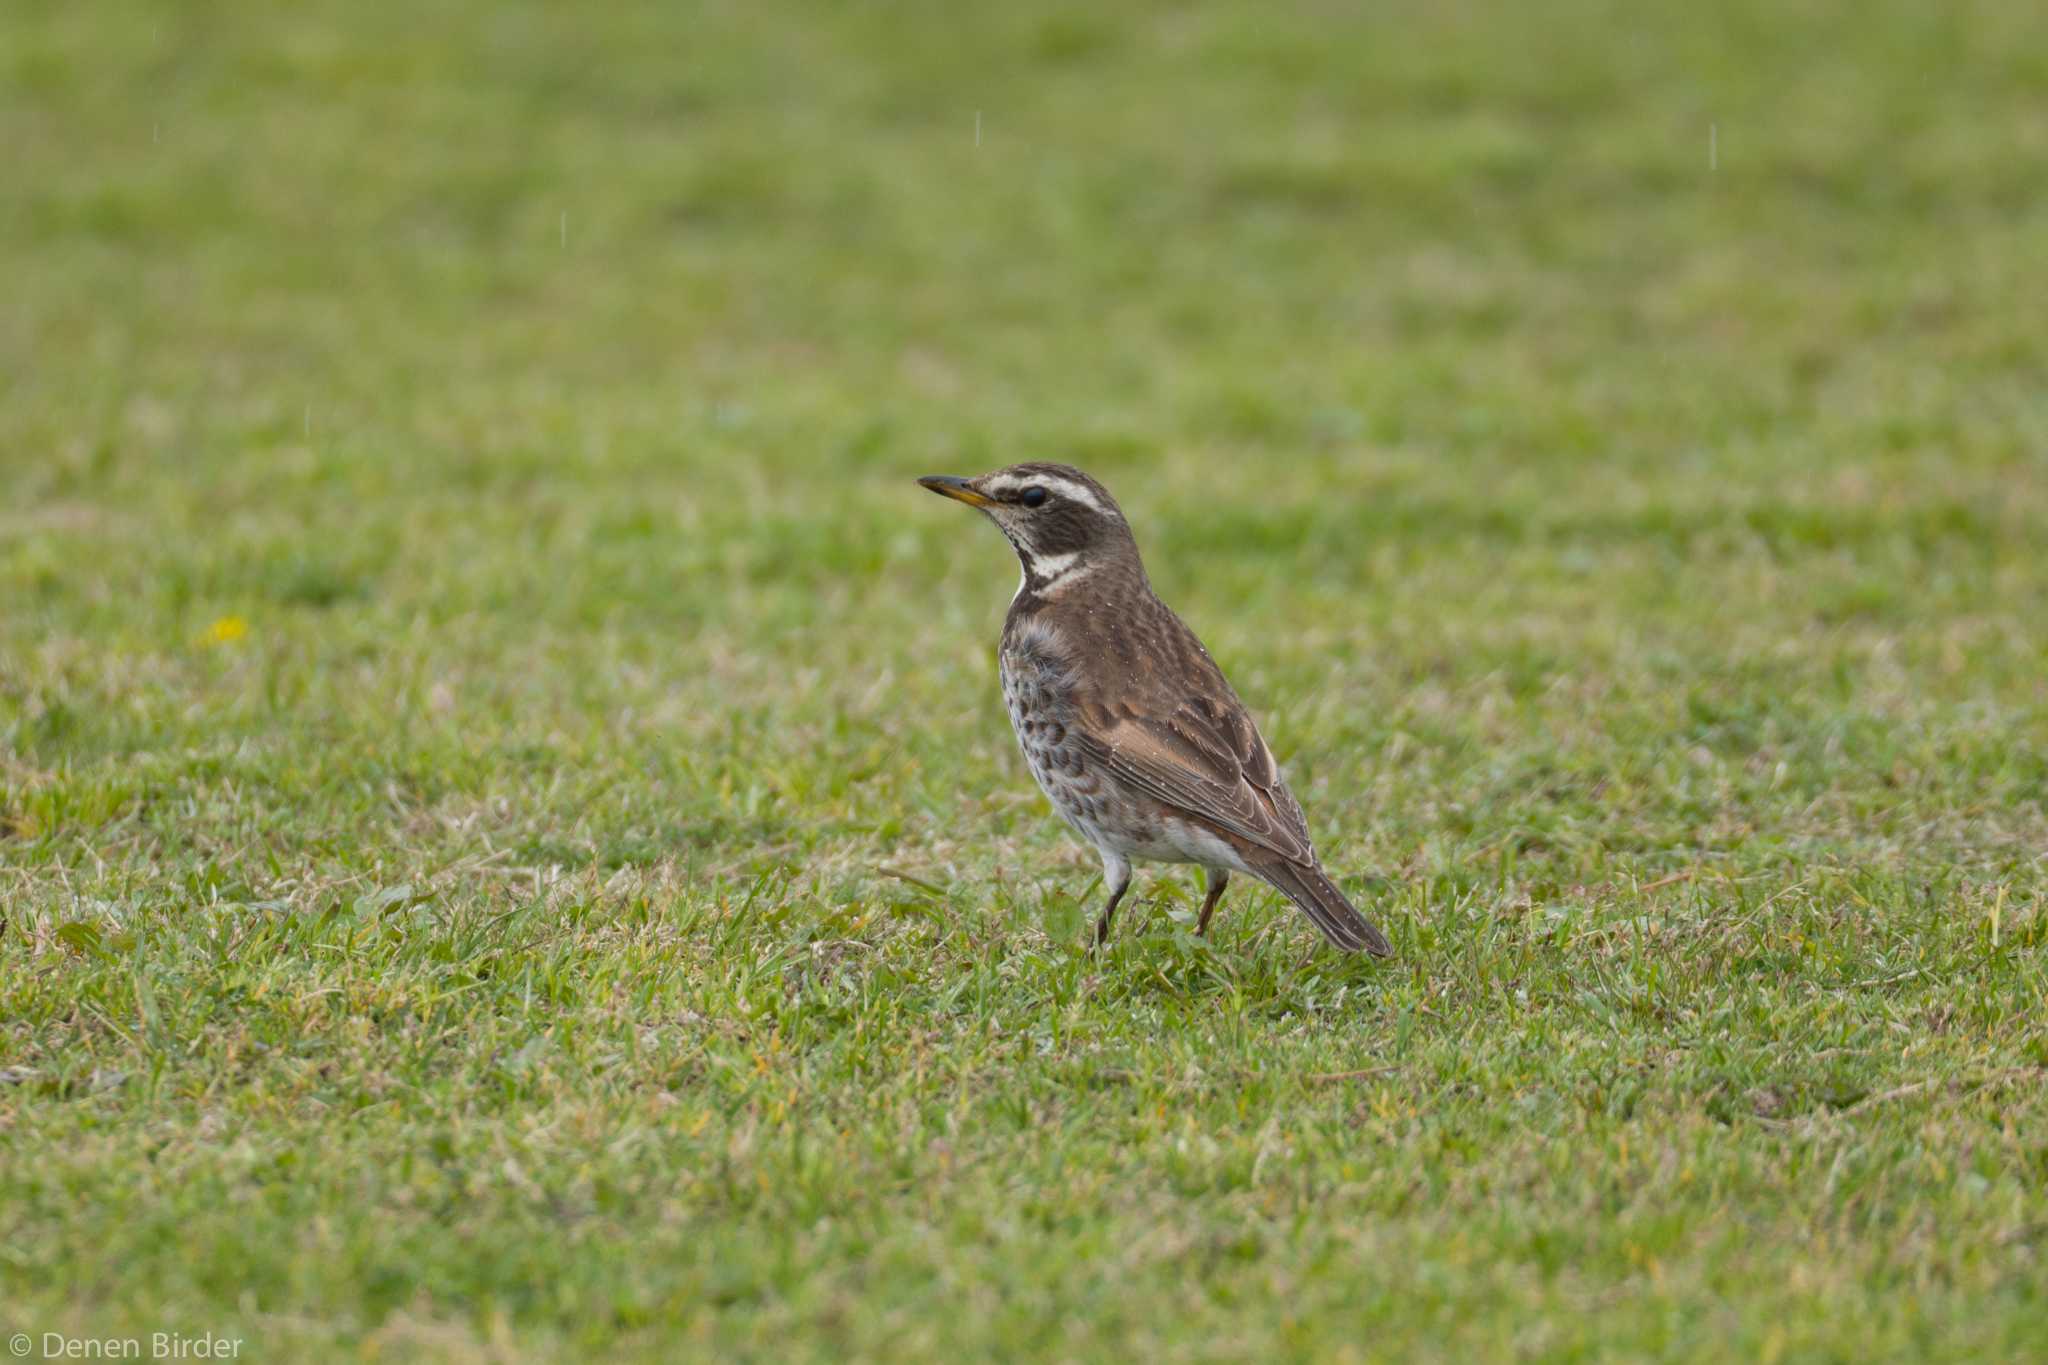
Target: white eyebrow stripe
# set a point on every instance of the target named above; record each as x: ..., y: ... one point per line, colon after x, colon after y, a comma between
x: 1051, y: 483
x: 1080, y: 493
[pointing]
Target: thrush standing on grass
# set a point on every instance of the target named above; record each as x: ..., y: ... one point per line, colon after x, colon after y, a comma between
x: 1125, y: 719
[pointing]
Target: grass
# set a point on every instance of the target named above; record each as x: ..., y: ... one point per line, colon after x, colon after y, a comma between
x: 509, y: 847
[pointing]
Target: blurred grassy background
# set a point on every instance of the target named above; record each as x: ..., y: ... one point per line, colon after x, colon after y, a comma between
x: 470, y: 647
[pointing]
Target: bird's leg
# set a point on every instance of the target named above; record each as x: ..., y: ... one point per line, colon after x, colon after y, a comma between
x: 1218, y: 879
x: 1118, y: 874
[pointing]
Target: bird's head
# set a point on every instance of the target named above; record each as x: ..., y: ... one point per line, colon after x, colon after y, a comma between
x: 1061, y: 522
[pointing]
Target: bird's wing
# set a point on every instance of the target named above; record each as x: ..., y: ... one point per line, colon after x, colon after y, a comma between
x: 1204, y: 758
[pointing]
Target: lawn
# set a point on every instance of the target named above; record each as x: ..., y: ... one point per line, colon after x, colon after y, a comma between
x: 510, y: 847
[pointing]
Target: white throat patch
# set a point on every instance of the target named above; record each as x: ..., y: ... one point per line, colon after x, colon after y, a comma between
x: 1049, y: 571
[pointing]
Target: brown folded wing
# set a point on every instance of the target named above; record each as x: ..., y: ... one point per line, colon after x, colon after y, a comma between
x: 1206, y: 759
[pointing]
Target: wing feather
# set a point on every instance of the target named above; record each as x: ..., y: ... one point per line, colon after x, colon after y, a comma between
x: 1206, y: 759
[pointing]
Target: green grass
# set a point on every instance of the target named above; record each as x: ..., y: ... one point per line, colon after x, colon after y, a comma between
x: 509, y: 845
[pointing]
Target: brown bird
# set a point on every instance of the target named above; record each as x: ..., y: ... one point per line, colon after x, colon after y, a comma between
x: 1126, y: 721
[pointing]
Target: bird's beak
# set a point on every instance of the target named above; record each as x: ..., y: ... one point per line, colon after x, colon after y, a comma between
x: 946, y: 486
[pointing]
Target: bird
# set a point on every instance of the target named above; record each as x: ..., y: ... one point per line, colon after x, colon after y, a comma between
x: 1129, y: 726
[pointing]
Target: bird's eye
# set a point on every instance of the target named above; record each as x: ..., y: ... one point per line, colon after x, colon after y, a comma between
x: 1033, y: 497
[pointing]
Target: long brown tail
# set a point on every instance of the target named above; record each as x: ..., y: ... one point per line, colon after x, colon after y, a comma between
x: 1322, y: 902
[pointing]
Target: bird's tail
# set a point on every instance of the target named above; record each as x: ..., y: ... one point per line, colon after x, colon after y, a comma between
x: 1321, y: 901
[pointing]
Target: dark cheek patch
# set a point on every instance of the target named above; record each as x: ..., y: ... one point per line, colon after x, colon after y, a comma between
x: 1065, y: 530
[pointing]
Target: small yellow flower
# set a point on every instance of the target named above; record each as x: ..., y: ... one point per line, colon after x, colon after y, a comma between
x: 225, y: 631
